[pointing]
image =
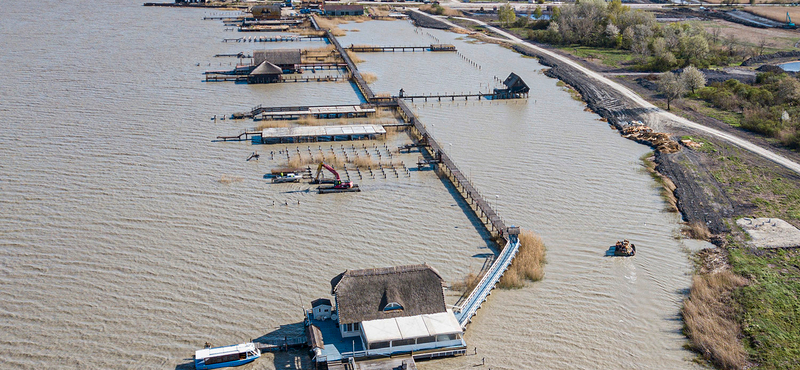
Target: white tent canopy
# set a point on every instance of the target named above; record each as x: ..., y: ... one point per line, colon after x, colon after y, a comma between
x: 411, y: 327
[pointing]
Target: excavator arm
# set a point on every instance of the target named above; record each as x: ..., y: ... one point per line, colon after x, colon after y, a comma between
x: 327, y: 167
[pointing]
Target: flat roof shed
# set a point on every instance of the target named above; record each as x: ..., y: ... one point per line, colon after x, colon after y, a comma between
x: 317, y: 133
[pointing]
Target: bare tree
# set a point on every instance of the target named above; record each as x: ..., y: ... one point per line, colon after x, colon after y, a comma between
x: 762, y: 43
x: 671, y: 86
x: 693, y: 79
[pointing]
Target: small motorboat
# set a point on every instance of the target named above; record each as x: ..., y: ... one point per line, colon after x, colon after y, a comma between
x: 287, y: 177
x: 623, y: 248
x: 217, y: 357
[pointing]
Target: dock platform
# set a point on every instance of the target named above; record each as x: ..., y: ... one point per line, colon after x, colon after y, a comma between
x: 305, y: 134
x: 375, y: 49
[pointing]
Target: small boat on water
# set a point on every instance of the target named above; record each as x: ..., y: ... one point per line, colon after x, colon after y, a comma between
x: 623, y: 248
x: 218, y: 357
x: 287, y: 177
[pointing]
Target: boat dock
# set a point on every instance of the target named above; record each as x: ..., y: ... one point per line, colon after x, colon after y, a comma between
x: 376, y: 49
x: 274, y: 39
x: 211, y: 77
x: 320, y: 112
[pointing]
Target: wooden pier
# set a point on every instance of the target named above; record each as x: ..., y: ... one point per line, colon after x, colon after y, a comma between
x: 376, y: 49
x: 283, y: 79
x: 274, y: 39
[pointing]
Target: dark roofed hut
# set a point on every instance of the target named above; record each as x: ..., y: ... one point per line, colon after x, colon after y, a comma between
x: 515, y: 88
x: 286, y: 59
x: 381, y: 293
x: 343, y: 9
x: 268, y: 11
x: 265, y: 73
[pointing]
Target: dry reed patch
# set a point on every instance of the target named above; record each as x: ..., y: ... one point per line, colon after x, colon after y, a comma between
x: 307, y: 32
x: 364, y: 162
x: 697, y: 230
x: 528, y: 263
x: 435, y: 9
x: 467, y: 284
x: 667, y: 186
x: 710, y: 322
x: 305, y: 160
x: 354, y: 57
x: 271, y: 124
x: 331, y: 24
x: 230, y: 179
x: 369, y: 77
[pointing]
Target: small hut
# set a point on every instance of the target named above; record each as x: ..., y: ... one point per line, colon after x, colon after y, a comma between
x: 269, y: 11
x: 265, y: 73
x: 334, y: 10
x: 515, y: 88
x: 321, y: 309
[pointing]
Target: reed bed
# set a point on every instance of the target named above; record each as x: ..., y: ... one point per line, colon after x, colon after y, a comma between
x: 710, y: 322
x: 697, y: 230
x: 272, y: 124
x: 354, y: 57
x: 468, y: 283
x: 305, y: 160
x: 230, y: 179
x: 369, y: 77
x: 528, y: 263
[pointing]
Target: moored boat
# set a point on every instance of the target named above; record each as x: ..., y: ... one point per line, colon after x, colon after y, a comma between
x: 227, y: 356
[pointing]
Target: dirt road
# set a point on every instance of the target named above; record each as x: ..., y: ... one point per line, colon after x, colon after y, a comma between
x: 655, y: 116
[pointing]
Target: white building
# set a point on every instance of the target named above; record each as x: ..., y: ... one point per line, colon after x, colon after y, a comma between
x: 395, y: 310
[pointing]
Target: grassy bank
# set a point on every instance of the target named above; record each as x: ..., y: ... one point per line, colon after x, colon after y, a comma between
x: 769, y: 307
x: 710, y: 319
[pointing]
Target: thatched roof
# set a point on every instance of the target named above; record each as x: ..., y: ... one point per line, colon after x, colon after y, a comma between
x: 266, y: 68
x: 362, y: 295
x: 277, y: 56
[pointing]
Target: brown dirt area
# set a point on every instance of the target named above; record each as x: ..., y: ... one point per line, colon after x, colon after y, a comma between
x: 751, y: 36
x: 776, y: 13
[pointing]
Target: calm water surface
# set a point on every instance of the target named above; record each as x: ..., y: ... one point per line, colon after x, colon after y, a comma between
x: 128, y: 238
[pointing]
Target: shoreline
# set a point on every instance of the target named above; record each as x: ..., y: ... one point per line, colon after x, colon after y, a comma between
x: 726, y: 174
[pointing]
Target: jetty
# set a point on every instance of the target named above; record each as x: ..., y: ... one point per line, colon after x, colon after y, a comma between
x: 295, y: 112
x: 375, y: 49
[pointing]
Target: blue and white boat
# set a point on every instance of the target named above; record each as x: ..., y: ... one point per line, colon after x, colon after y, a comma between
x: 217, y: 357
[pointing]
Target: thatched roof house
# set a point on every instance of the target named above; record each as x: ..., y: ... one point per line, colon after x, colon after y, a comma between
x: 266, y: 72
x: 267, y: 11
x: 286, y: 59
x: 381, y: 293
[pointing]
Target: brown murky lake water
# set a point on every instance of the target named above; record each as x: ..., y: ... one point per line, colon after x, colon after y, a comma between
x: 128, y: 238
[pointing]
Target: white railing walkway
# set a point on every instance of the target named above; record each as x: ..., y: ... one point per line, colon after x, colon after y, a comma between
x: 469, y: 306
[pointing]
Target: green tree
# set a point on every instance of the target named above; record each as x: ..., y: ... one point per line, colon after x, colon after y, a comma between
x: 671, y: 86
x: 693, y: 79
x: 507, y: 14
x: 537, y: 12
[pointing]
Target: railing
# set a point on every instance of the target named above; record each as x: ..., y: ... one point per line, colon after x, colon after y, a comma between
x: 487, y: 282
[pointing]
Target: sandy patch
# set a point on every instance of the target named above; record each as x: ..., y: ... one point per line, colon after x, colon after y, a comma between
x: 776, y: 38
x: 770, y: 232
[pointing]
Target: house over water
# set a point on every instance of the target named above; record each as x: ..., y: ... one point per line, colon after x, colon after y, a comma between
x: 268, y: 11
x: 286, y: 59
x: 266, y: 72
x: 515, y: 87
x: 388, y: 311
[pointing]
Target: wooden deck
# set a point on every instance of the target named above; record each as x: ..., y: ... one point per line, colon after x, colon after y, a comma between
x: 377, y: 49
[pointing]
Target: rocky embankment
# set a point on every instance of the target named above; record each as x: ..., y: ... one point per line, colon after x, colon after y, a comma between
x: 683, y: 167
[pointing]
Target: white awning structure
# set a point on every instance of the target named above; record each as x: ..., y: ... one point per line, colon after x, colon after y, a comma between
x: 312, y: 131
x: 411, y: 327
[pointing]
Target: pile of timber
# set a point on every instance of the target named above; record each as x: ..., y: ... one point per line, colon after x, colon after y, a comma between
x: 645, y: 135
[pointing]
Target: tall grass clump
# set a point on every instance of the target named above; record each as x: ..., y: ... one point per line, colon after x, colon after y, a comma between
x: 354, y: 57
x: 710, y: 322
x: 466, y: 284
x: 698, y: 230
x: 528, y: 263
x: 369, y: 77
